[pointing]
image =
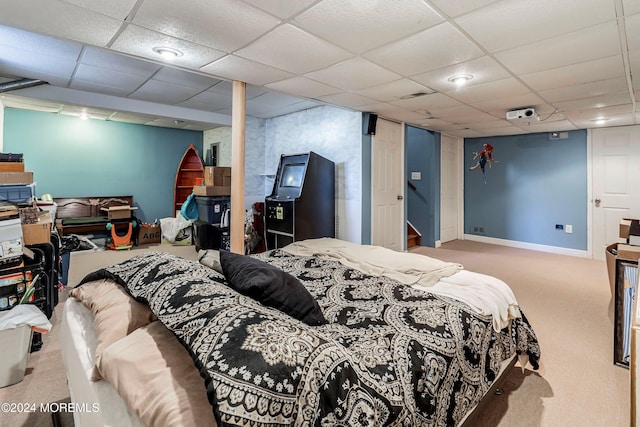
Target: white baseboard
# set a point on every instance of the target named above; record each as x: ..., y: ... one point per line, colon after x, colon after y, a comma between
x: 525, y: 245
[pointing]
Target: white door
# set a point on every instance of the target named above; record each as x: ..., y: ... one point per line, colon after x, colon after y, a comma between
x: 615, y: 189
x: 387, y: 204
x: 449, y: 188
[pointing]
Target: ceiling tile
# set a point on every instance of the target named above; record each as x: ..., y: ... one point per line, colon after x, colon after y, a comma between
x: 483, y: 69
x: 585, y: 90
x: 428, y: 50
x: 212, y: 23
x: 14, y: 61
x: 208, y: 101
x: 500, y: 106
x: 157, y: 91
x: 455, y: 8
x: 235, y: 68
x: 292, y: 49
x: 346, y: 99
x: 354, y: 74
x: 394, y: 90
x: 427, y: 102
x: 570, y: 75
x: 475, y: 93
x: 356, y: 24
x: 279, y: 8
x: 632, y: 24
x: 606, y: 100
x: 71, y: 22
x: 118, y: 9
x: 303, y: 86
x: 462, y: 114
x: 111, y: 60
x: 631, y: 7
x: 509, y: 24
x: 185, y: 78
x: 90, y: 86
x: 580, y: 46
x: 140, y: 41
x: 122, y: 82
x: 38, y: 44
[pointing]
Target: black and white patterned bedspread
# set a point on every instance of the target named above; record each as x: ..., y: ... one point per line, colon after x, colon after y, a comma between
x: 390, y: 355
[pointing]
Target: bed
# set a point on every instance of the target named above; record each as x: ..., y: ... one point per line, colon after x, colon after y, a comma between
x: 318, y: 333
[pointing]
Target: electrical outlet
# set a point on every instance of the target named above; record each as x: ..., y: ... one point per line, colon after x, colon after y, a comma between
x: 569, y: 228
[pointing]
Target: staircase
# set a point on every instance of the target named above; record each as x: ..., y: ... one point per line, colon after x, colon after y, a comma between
x: 413, y: 236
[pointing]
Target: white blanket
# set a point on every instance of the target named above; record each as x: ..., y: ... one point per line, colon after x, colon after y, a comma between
x: 377, y: 261
x: 486, y: 295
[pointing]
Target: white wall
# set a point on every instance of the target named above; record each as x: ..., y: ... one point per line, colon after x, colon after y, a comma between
x: 332, y: 133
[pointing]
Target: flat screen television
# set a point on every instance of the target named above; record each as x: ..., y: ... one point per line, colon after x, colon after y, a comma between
x: 292, y: 175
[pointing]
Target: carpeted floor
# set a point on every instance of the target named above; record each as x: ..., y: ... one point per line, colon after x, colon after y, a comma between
x: 566, y: 299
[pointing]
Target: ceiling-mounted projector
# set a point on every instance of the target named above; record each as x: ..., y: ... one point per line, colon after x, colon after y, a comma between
x: 523, y: 115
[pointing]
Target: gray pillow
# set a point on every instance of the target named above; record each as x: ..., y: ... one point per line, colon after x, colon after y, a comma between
x: 210, y: 258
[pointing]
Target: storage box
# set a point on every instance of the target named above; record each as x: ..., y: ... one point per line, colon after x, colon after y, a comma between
x: 17, y: 194
x: 205, y: 190
x: 218, y: 176
x: 184, y: 238
x: 628, y: 252
x: 40, y: 232
x: 148, y: 234
x: 10, y: 238
x: 11, y: 167
x: 13, y: 357
x: 118, y: 212
x: 16, y: 177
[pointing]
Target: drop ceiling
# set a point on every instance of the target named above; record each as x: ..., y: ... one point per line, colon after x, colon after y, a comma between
x: 574, y: 61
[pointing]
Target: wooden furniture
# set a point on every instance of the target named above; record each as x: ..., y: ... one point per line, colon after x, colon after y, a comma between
x: 190, y: 173
x: 78, y: 215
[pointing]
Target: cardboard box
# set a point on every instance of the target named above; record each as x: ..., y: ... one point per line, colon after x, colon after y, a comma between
x: 628, y: 252
x: 16, y: 177
x: 118, y: 212
x: 40, y: 232
x: 11, y: 167
x: 219, y: 176
x: 149, y: 234
x: 205, y: 190
x: 625, y: 225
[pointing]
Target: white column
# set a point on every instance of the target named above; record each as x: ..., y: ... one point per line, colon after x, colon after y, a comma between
x: 237, y: 166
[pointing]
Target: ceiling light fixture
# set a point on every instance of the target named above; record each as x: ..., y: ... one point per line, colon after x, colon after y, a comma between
x: 600, y: 121
x: 460, y: 79
x: 84, y: 115
x: 167, y: 52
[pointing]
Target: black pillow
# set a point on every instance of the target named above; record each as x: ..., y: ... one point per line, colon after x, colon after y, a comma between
x: 271, y: 286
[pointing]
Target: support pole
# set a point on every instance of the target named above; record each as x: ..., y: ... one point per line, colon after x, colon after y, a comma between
x: 238, y: 110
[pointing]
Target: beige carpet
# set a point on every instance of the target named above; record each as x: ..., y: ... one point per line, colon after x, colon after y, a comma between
x: 566, y: 299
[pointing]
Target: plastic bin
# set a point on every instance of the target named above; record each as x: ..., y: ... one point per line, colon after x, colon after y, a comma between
x: 17, y: 193
x: 210, y: 208
x: 15, y: 344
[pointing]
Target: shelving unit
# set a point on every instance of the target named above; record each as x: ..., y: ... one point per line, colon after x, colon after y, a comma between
x: 190, y: 173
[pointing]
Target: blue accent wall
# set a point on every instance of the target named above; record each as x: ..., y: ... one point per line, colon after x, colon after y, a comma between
x: 535, y: 183
x: 422, y: 152
x: 73, y: 158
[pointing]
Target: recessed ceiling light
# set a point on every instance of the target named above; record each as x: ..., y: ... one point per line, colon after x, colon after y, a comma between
x: 167, y: 53
x: 460, y: 79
